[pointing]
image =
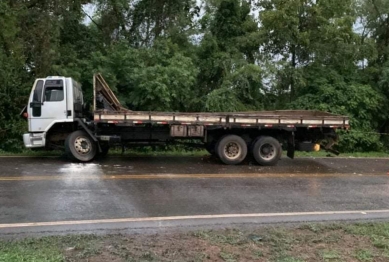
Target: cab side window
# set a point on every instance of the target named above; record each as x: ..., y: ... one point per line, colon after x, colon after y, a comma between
x: 54, y: 91
x: 54, y: 94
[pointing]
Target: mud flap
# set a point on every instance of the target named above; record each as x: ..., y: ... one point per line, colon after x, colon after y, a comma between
x: 291, y: 146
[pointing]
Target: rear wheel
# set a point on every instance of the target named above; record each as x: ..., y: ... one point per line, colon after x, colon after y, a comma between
x: 231, y: 149
x: 80, y: 146
x: 267, y: 151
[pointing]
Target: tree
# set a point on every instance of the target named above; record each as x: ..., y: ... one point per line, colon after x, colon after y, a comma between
x: 374, y: 20
x: 229, y: 75
x: 12, y: 78
x: 209, y: 55
x: 362, y: 103
x: 300, y: 32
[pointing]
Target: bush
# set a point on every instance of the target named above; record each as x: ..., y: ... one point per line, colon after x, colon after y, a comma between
x: 359, y: 141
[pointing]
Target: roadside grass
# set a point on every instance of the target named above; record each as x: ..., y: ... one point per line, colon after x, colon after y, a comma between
x: 181, y: 151
x: 350, y: 155
x: 30, y: 153
x: 307, y: 242
x: 113, y: 152
x: 47, y: 248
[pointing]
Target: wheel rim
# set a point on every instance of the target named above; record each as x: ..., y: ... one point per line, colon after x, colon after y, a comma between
x: 232, y: 150
x: 82, y: 145
x: 267, y: 152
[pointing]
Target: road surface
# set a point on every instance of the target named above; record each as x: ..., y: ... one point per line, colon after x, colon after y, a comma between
x: 46, y: 195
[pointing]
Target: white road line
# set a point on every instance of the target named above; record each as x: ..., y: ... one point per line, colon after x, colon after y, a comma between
x: 160, y: 219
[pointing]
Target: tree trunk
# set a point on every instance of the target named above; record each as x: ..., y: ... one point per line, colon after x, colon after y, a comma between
x: 292, y: 82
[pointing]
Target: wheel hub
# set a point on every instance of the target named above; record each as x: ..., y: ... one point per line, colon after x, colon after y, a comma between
x: 82, y: 145
x: 232, y: 150
x: 267, y: 151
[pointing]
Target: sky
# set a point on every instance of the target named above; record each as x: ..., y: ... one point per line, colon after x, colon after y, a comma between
x: 90, y: 10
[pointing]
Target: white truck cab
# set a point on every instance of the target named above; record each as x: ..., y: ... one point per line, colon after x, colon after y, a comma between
x: 52, y: 100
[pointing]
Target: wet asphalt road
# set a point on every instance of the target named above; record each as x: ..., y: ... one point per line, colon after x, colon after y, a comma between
x: 53, y: 189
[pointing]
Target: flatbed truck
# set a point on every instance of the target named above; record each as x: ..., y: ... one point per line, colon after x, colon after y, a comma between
x: 59, y: 118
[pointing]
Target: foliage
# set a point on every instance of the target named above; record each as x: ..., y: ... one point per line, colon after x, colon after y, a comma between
x: 12, y: 77
x: 330, y: 92
x: 209, y: 55
x: 172, y: 78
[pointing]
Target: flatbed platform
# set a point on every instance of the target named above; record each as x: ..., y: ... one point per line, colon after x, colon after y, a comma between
x: 276, y: 118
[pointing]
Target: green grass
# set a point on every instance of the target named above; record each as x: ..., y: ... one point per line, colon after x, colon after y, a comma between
x: 364, y: 255
x: 308, y: 242
x: 288, y: 259
x: 30, y: 153
x: 27, y: 254
x: 350, y: 155
x: 228, y: 257
x: 181, y: 152
x: 329, y: 255
x: 48, y: 249
x: 115, y: 152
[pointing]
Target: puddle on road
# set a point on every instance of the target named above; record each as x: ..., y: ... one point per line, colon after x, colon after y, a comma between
x: 118, y: 169
x: 81, y: 169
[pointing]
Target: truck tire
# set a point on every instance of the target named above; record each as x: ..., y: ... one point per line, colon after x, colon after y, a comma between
x: 80, y: 146
x: 231, y: 149
x: 267, y: 151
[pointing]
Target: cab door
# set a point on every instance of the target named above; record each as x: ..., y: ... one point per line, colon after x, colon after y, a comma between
x: 47, y: 105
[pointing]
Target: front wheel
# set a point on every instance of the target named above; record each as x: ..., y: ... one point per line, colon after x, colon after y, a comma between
x: 267, y: 151
x: 231, y: 149
x: 80, y: 146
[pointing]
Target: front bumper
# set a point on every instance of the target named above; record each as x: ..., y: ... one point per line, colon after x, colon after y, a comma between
x: 34, y: 140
